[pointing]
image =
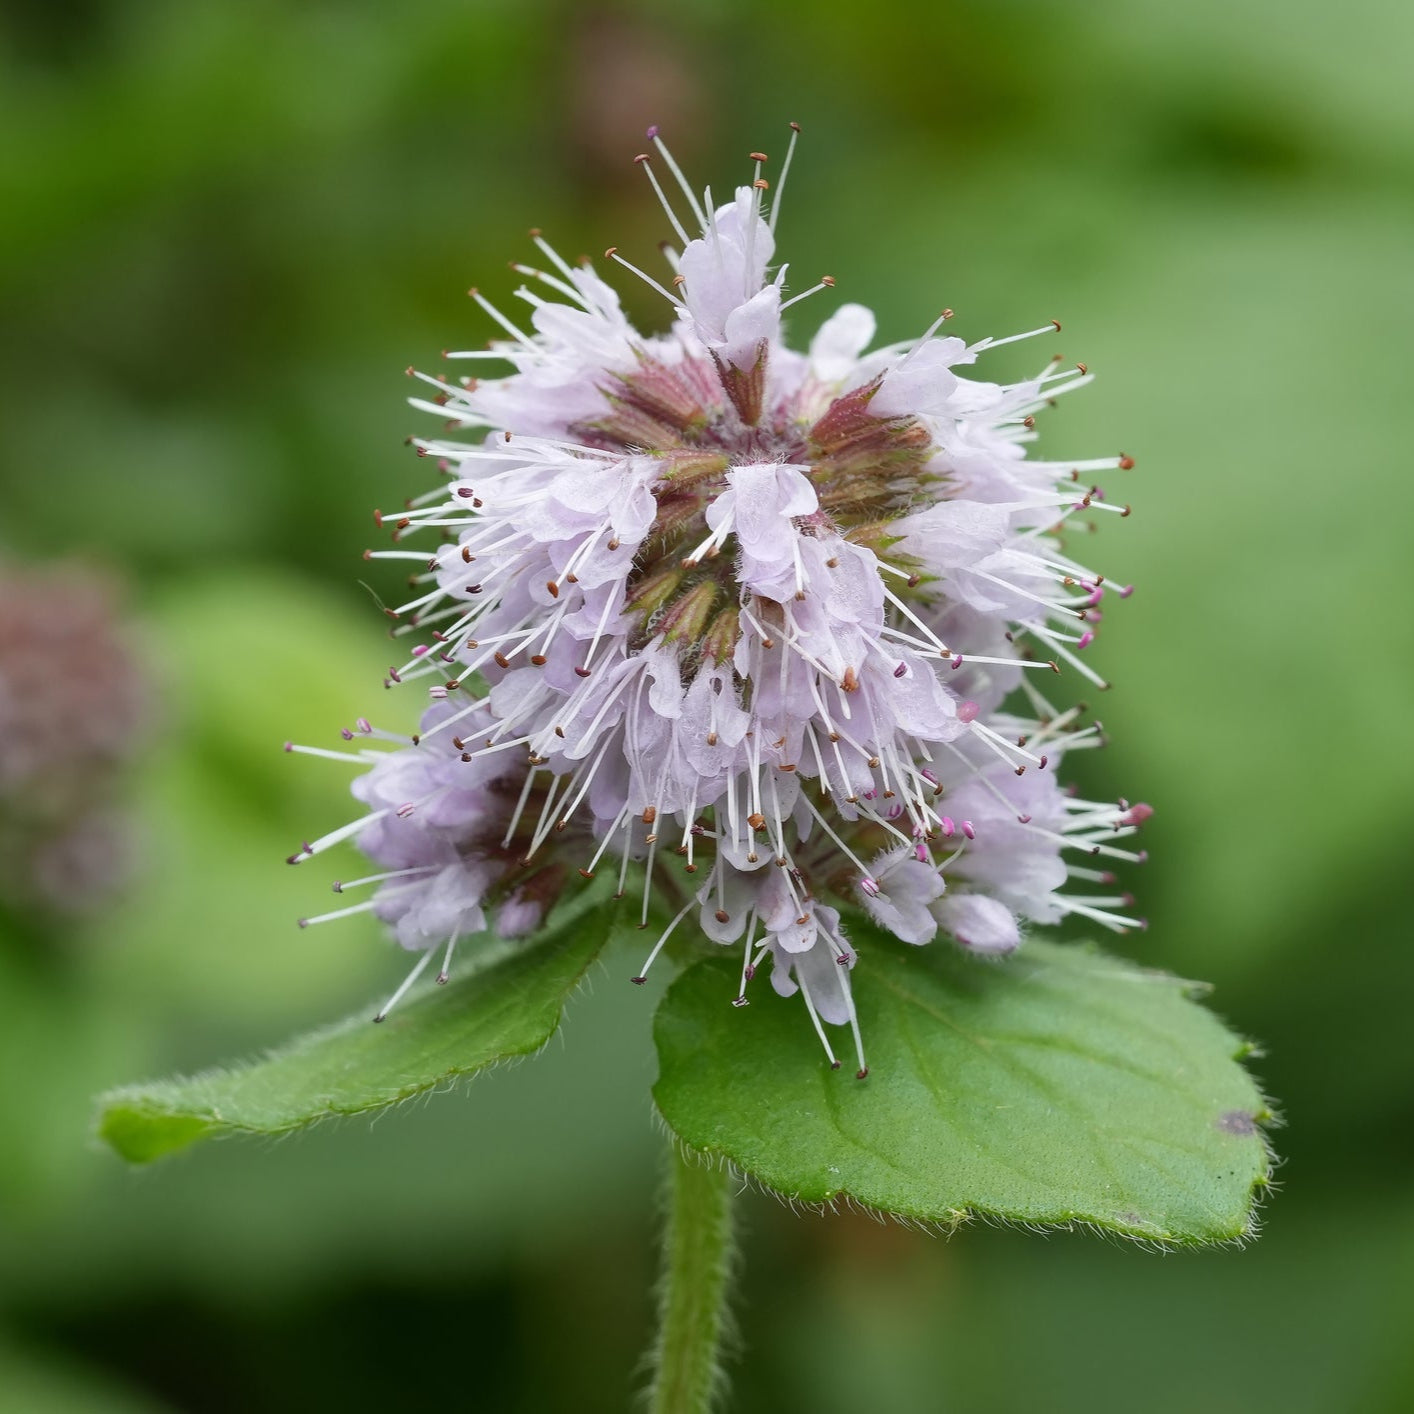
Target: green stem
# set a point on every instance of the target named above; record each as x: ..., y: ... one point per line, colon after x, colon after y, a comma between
x: 698, y: 1255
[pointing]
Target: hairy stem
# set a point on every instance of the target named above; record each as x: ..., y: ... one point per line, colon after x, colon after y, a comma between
x: 698, y: 1255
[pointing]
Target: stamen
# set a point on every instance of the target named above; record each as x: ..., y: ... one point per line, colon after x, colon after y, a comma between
x: 412, y: 977
x: 673, y: 167
x: 785, y: 172
x: 658, y: 946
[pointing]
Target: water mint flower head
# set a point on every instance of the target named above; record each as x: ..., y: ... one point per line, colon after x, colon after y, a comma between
x: 65, y: 740
x: 762, y: 630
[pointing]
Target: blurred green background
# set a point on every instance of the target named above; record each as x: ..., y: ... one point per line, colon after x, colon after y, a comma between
x: 227, y: 227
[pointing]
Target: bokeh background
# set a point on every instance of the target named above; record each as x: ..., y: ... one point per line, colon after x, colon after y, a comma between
x: 227, y: 227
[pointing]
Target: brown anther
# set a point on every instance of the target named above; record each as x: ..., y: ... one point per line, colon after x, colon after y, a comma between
x: 1056, y: 322
x: 650, y: 839
x: 1126, y: 511
x: 689, y: 868
x: 789, y: 768
x: 612, y: 251
x: 850, y: 681
x: 650, y: 815
x: 582, y: 672
x: 535, y: 233
x: 404, y: 522
x: 501, y: 660
x: 947, y: 314
x: 1028, y: 422
x: 643, y: 157
x: 410, y: 371
x: 561, y: 824
x: 753, y: 857
x: 711, y: 738
x: 378, y: 519
x: 914, y: 581
x: 453, y: 684
x: 756, y: 820
x: 1126, y: 463
x: 586, y: 874
x: 505, y: 436
x: 458, y: 743
x: 833, y: 563
x: 758, y: 157
x: 553, y: 588
x: 828, y: 281
x: 679, y: 279
x: 538, y: 660
x: 802, y: 920
x: 795, y: 127
x: 391, y: 613
x: 1082, y: 367
x: 768, y: 642
x: 560, y: 732
x: 722, y: 916
x: 614, y: 543
x: 761, y: 184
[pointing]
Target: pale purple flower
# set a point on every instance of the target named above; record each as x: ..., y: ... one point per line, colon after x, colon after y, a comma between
x: 75, y: 706
x: 757, y: 629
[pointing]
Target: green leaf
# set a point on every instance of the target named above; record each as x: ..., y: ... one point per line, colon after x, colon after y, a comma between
x: 506, y: 1008
x: 1062, y: 1086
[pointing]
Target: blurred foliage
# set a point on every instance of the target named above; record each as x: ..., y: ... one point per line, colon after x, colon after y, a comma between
x: 229, y: 225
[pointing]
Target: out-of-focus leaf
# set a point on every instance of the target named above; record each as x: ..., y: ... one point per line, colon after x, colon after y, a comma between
x: 510, y: 1007
x: 1062, y: 1087
x: 40, y: 1384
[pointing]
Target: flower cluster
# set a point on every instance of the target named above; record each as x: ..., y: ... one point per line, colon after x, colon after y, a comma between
x: 62, y: 838
x: 740, y: 623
